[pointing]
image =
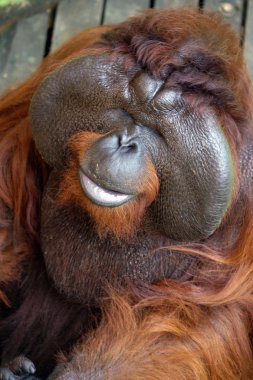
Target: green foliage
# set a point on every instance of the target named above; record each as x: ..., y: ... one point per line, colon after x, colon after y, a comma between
x: 4, y: 3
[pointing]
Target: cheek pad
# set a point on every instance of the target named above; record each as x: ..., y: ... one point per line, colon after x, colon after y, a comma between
x: 196, y: 168
x: 197, y: 177
x: 74, y: 98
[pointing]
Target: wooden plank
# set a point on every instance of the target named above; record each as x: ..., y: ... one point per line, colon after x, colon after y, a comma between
x: 175, y: 3
x: 6, y: 38
x: 74, y: 16
x: 26, y: 50
x: 231, y: 10
x: 23, y: 8
x: 118, y: 11
x: 248, y: 45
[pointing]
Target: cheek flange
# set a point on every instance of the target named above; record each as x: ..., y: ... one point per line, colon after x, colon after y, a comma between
x: 75, y: 97
x: 197, y: 177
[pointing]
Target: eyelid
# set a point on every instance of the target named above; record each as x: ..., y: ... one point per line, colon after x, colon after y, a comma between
x: 166, y: 99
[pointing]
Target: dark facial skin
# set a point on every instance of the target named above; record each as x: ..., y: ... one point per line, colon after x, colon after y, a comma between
x: 117, y: 160
x: 139, y: 120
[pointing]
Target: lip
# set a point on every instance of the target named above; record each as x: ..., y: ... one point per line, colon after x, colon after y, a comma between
x: 100, y: 195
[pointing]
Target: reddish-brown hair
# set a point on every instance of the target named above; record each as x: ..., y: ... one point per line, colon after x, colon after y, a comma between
x: 198, y: 329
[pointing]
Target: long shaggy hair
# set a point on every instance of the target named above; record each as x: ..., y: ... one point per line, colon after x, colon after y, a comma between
x: 200, y: 328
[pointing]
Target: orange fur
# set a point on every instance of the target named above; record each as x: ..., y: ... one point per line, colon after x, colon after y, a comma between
x: 22, y: 171
x: 165, y: 337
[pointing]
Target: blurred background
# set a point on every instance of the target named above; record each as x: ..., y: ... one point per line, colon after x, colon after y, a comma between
x: 31, y: 29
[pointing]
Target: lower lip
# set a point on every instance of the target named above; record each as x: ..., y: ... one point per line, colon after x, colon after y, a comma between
x: 101, y: 196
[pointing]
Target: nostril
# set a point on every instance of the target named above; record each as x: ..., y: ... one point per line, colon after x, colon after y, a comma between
x: 129, y: 147
x: 127, y: 142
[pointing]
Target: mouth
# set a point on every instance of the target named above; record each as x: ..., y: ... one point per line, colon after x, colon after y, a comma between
x: 101, y: 196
